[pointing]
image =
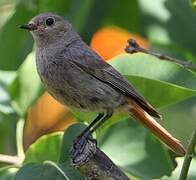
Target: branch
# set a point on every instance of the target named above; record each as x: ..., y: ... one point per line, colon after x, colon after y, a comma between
x: 92, y: 163
x: 188, y: 157
x: 10, y: 159
x: 133, y: 47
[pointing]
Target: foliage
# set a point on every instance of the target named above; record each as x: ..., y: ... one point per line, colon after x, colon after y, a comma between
x: 167, y: 25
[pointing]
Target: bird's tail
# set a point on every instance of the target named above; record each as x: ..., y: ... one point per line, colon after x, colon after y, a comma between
x: 157, y: 129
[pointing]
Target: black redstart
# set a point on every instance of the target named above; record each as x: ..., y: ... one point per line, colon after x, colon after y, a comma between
x: 78, y: 77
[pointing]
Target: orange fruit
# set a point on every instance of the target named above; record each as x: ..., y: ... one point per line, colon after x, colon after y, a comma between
x: 45, y: 116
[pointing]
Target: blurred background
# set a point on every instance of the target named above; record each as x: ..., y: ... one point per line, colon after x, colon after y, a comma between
x: 27, y: 111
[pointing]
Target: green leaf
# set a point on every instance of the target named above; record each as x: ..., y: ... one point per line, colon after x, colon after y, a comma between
x: 45, y: 148
x: 7, y: 173
x: 36, y: 171
x: 161, y: 82
x: 136, y: 151
x: 47, y: 170
x: 70, y: 171
x: 15, y: 43
x: 148, y: 66
x: 26, y: 87
x: 160, y: 93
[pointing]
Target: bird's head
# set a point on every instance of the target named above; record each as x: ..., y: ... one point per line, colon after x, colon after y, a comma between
x: 47, y: 27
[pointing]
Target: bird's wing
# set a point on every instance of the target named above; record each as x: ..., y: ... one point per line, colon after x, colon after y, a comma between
x: 90, y: 62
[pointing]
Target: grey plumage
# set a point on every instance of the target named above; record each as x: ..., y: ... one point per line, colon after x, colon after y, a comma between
x: 78, y: 77
x: 74, y: 74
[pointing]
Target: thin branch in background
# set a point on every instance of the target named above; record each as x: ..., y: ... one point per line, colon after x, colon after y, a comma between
x: 188, y: 157
x: 15, y: 160
x: 133, y: 47
x: 92, y: 163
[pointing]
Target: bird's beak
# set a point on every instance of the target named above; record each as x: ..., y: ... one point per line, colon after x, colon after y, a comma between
x: 29, y: 27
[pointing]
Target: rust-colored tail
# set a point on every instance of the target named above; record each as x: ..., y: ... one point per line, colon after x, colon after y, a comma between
x: 157, y: 129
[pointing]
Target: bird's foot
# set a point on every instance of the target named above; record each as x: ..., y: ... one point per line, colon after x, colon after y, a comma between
x: 80, y: 145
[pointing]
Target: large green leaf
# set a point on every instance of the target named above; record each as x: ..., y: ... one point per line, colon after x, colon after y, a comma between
x: 37, y: 151
x: 47, y: 170
x: 26, y: 87
x: 38, y: 171
x: 153, y: 68
x: 160, y: 93
x: 136, y: 151
x: 161, y: 82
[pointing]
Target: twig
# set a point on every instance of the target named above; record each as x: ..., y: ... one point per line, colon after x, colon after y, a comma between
x: 93, y: 164
x: 10, y: 159
x: 188, y: 157
x: 133, y: 47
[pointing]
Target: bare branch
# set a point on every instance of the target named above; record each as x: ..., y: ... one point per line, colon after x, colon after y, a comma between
x: 93, y: 164
x: 133, y: 47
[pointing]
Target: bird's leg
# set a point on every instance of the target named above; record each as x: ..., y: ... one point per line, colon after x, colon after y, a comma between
x: 104, y: 119
x: 99, y: 117
x: 81, y: 141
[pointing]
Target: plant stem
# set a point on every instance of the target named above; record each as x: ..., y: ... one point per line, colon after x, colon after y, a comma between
x: 188, y: 157
x: 19, y: 138
x: 10, y: 159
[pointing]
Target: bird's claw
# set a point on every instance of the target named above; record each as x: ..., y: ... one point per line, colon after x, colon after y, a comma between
x: 79, y: 145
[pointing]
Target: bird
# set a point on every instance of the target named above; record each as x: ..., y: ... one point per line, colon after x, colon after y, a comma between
x: 76, y: 76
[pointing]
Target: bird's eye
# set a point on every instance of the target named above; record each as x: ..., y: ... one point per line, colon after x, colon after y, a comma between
x: 49, y: 21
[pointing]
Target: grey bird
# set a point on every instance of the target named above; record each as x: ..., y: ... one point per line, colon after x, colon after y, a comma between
x: 78, y: 77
